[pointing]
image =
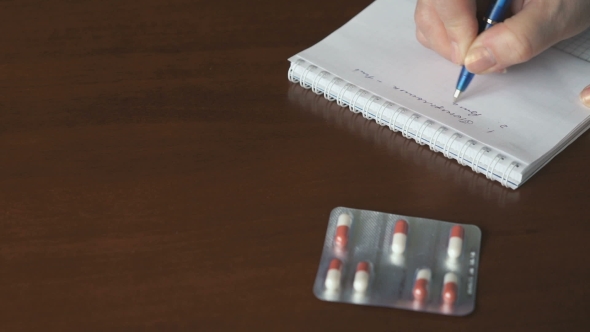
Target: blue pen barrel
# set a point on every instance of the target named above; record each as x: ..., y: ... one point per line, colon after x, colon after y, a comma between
x: 496, y: 15
x: 497, y: 12
x: 464, y: 79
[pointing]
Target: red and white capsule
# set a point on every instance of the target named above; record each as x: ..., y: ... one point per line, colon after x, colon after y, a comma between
x: 361, y: 277
x: 449, y: 293
x: 342, y: 228
x: 421, y: 286
x: 334, y: 274
x: 455, y: 242
x: 400, y: 236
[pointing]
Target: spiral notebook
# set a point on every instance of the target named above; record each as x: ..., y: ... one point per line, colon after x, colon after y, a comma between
x: 505, y: 126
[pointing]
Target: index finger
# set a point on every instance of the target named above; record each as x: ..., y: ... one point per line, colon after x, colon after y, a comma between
x: 460, y: 21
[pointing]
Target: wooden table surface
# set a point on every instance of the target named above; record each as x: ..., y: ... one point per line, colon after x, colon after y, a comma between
x: 159, y: 172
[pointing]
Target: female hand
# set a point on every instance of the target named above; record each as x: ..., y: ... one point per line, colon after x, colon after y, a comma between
x: 450, y: 29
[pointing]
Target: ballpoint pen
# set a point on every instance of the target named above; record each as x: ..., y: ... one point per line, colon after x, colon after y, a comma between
x: 496, y: 15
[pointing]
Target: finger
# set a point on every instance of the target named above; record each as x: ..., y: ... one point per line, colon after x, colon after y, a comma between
x: 422, y: 39
x: 517, y: 5
x: 432, y: 29
x: 518, y: 39
x: 585, y: 96
x: 459, y: 20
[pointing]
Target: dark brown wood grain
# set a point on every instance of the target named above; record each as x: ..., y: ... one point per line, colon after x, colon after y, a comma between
x: 159, y: 172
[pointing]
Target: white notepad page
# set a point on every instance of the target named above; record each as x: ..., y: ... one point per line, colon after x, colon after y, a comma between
x: 527, y: 115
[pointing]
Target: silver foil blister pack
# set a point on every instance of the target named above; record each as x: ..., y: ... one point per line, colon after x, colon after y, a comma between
x: 389, y: 260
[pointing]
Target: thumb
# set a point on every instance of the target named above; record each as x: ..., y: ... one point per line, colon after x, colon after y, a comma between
x: 585, y: 96
x: 516, y: 40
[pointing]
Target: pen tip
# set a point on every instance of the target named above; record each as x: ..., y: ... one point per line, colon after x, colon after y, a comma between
x: 457, y: 94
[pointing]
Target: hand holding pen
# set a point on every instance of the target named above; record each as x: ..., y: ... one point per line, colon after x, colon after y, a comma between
x: 452, y: 29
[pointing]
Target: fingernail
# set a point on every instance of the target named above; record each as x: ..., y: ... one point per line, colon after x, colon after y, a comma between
x: 479, y: 60
x: 585, y: 96
x: 455, y: 53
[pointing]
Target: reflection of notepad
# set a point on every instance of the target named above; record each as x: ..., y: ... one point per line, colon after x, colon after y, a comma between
x: 505, y: 126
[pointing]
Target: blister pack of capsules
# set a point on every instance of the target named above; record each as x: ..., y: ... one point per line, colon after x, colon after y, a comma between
x: 388, y: 260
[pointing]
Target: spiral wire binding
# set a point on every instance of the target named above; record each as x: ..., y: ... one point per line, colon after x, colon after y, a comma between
x: 480, y: 153
x: 508, y: 172
x: 489, y: 171
x: 352, y: 105
x: 406, y: 128
x: 290, y: 73
x: 397, y: 112
x: 425, y: 125
x: 495, y: 161
x: 304, y: 76
x: 449, y: 143
x: 316, y: 80
x: 461, y: 156
x: 440, y: 130
x: 327, y: 94
x: 339, y: 99
x: 379, y: 115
